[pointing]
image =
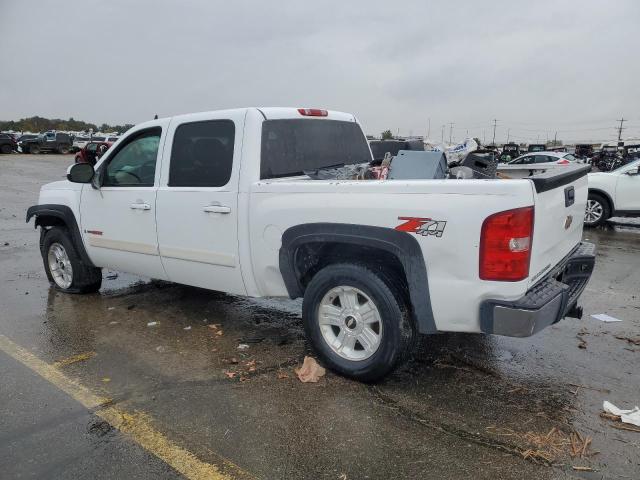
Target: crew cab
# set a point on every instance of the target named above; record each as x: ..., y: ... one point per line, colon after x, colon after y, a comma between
x: 613, y: 194
x: 51, y: 141
x: 234, y: 201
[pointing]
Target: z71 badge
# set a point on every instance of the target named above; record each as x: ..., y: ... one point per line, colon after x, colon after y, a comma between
x: 422, y: 226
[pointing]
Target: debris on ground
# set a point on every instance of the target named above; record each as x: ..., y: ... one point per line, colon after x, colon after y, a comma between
x: 114, y: 322
x: 603, y: 317
x: 187, y: 328
x: 583, y: 342
x: 111, y: 308
x: 548, y: 446
x: 112, y: 276
x: 130, y: 307
x: 230, y: 374
x: 582, y: 469
x: 161, y: 349
x: 631, y: 416
x: 632, y: 341
x: 282, y: 375
x: 213, y: 326
x: 152, y: 324
x: 80, y: 357
x: 106, y: 380
x: 310, y: 371
x: 243, y: 346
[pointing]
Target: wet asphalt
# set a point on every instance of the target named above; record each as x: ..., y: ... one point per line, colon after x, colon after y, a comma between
x: 464, y: 406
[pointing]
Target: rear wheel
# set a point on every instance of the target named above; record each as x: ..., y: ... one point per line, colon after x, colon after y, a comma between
x: 597, y: 211
x: 34, y: 149
x: 5, y: 148
x: 63, y: 150
x: 64, y: 267
x: 357, y: 323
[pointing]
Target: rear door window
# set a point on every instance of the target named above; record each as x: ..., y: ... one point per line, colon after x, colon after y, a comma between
x: 292, y: 146
x: 202, y: 154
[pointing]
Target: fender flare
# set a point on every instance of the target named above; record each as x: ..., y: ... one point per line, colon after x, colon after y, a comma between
x: 401, y: 244
x: 65, y: 214
x: 606, y: 196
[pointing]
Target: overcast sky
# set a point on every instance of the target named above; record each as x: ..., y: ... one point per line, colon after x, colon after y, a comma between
x: 536, y: 66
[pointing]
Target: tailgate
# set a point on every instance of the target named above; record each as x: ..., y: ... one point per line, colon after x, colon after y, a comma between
x: 560, y: 199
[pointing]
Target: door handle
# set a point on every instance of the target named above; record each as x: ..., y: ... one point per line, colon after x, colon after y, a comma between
x: 216, y: 209
x: 140, y: 206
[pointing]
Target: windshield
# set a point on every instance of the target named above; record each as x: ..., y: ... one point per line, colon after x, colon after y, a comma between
x: 292, y: 146
x: 568, y: 156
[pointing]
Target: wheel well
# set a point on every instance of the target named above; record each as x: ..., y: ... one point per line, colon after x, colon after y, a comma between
x: 49, y: 221
x: 606, y: 197
x: 312, y: 257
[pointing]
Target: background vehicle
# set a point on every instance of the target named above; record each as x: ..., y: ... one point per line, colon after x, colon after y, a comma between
x: 543, y: 158
x: 92, y: 152
x: 7, y: 143
x: 510, y: 151
x: 230, y: 203
x: 537, y: 147
x: 613, y: 194
x: 584, y: 151
x: 48, y: 142
x: 79, y: 143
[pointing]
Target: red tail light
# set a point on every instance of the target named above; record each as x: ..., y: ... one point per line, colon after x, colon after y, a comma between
x: 312, y: 112
x: 564, y: 161
x: 505, y: 245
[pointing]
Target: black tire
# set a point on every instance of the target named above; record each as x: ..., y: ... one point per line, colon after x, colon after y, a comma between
x: 6, y: 149
x: 34, y: 149
x: 85, y: 279
x: 64, y: 150
x: 593, y: 200
x: 398, y: 330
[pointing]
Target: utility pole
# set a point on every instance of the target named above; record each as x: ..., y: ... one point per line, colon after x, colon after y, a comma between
x: 442, y: 135
x: 429, y: 129
x: 622, y: 120
x: 555, y: 139
x: 495, y: 124
x: 450, y: 131
x: 508, y: 134
x: 484, y: 137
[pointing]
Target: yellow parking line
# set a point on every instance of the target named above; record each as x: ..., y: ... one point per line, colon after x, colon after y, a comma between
x: 137, y: 425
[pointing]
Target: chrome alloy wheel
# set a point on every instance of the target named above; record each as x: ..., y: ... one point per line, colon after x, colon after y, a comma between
x: 60, y: 265
x: 350, y: 323
x: 594, y: 211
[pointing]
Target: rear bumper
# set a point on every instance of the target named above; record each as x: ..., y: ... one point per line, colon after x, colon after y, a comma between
x: 547, y: 302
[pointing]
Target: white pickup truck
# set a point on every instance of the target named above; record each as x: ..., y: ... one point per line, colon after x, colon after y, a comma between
x: 230, y: 201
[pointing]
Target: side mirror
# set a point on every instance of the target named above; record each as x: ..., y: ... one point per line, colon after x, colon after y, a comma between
x: 80, y: 173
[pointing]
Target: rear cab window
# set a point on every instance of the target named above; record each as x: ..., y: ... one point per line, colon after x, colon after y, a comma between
x: 292, y: 146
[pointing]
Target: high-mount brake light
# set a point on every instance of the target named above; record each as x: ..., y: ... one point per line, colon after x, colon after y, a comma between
x: 313, y: 112
x: 505, y: 245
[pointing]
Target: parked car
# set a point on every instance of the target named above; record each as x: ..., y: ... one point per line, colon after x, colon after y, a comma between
x: 509, y: 152
x: 584, y: 151
x: 92, y: 152
x: 613, y: 194
x: 542, y: 158
x: 7, y: 143
x: 537, y: 147
x: 79, y: 143
x: 48, y: 142
x: 220, y: 200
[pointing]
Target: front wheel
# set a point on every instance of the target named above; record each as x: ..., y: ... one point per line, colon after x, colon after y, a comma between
x: 34, y: 149
x: 597, y: 211
x: 64, y: 267
x: 6, y: 149
x: 358, y: 324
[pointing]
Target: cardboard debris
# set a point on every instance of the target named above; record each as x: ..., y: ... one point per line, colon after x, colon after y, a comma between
x: 152, y: 324
x: 603, y: 317
x: 310, y: 371
x: 243, y: 346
